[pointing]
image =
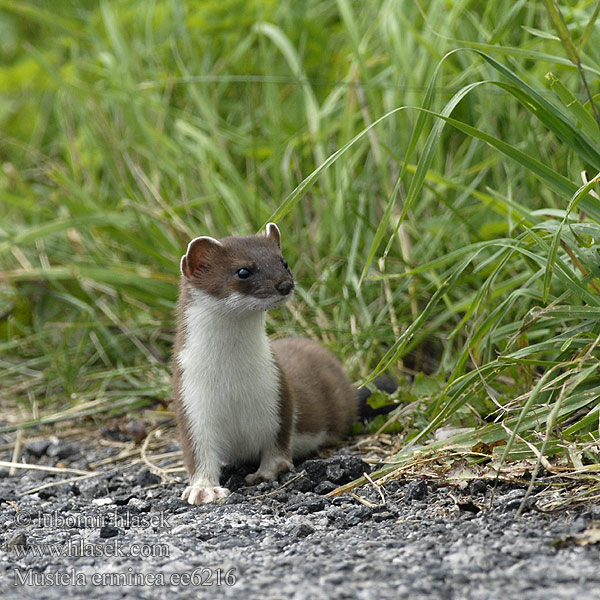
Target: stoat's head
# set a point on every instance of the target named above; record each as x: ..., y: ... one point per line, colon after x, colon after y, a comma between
x: 245, y: 273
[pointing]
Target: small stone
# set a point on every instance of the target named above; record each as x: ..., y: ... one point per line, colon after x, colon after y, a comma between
x: 146, y: 478
x: 392, y: 487
x: 354, y: 517
x: 304, y: 484
x: 114, y: 434
x: 325, y: 487
x: 63, y: 450
x: 37, y: 448
x: 353, y: 468
x: 235, y: 481
x: 122, y: 499
x: 307, y: 505
x: 339, y: 469
x: 298, y: 508
x: 177, y: 505
x: 102, y: 501
x: 315, y: 504
x: 234, y: 498
x: 378, y: 517
x: 139, y: 504
x: 302, y: 530
x: 415, y: 490
x: 17, y: 540
x: 186, y: 528
x: 477, y: 487
x: 263, y: 487
x: 108, y: 531
x: 513, y: 500
x: 137, y: 430
x: 315, y: 469
x: 334, y: 472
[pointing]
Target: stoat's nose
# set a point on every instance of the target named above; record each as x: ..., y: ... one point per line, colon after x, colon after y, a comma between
x: 285, y: 287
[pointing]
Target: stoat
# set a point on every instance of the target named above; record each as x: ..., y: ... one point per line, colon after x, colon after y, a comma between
x: 239, y: 397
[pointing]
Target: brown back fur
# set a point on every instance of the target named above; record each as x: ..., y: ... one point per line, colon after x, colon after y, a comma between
x: 318, y: 387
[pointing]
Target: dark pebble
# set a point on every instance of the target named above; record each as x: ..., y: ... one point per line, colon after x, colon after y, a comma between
x: 338, y: 469
x: 415, y: 490
x: 234, y: 481
x: 108, y: 531
x: 234, y: 498
x: 325, y: 487
x: 176, y: 504
x: 313, y: 503
x: 512, y: 500
x: 146, y: 478
x: 334, y: 472
x: 477, y: 487
x: 47, y: 493
x: 63, y: 450
x: 392, y: 487
x: 115, y: 434
x: 40, y: 475
x: 122, y: 499
x: 302, y: 530
x: 469, y: 506
x: 315, y: 469
x: 37, y: 448
x: 354, y: 467
x: 304, y: 484
x: 354, y: 517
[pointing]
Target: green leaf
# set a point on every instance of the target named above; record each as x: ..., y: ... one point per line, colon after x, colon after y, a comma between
x: 574, y: 106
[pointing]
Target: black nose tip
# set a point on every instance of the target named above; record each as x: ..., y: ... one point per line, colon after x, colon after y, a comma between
x: 285, y: 287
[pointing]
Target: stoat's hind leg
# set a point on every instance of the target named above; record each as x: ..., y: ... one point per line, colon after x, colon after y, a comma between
x: 272, y: 462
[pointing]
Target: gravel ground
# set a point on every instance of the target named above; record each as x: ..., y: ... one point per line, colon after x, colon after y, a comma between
x: 124, y: 534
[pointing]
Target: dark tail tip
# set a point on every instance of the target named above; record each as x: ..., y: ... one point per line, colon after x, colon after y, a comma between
x: 386, y: 384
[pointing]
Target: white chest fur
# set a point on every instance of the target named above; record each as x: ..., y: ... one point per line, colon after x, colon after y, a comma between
x: 229, y: 381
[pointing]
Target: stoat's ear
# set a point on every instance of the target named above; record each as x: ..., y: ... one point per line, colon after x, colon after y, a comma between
x: 274, y: 233
x: 200, y: 252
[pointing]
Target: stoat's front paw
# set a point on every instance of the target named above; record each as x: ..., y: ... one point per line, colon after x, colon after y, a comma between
x: 198, y: 494
x: 270, y: 472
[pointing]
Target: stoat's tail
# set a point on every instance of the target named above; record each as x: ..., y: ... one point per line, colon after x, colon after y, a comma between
x: 366, y: 412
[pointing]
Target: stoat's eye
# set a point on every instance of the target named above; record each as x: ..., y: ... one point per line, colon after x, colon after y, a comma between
x: 284, y: 263
x: 243, y: 273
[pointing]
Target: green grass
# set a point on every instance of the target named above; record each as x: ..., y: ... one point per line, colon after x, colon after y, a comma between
x: 423, y: 161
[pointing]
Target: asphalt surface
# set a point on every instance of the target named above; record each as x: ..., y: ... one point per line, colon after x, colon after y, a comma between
x: 127, y: 534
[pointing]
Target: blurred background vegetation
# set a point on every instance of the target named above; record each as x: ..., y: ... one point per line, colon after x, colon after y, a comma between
x: 458, y: 253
